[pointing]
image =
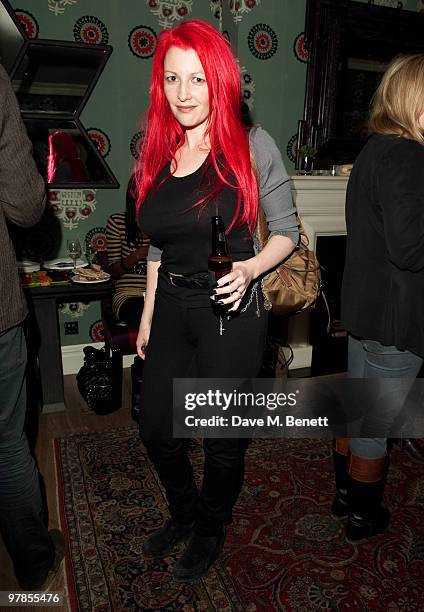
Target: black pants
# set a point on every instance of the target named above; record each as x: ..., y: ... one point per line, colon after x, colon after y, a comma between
x: 185, y: 342
x: 21, y: 510
x: 131, y: 310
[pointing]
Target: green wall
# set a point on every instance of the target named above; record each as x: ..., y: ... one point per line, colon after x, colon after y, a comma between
x: 273, y: 74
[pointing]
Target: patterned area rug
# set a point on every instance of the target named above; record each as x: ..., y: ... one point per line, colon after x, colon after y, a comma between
x: 283, y: 552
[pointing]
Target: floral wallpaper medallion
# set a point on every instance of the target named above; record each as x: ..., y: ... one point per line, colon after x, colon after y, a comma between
x: 142, y: 41
x: 170, y: 11
x: 299, y: 48
x: 72, y: 205
x: 291, y: 148
x: 91, y: 30
x: 247, y: 87
x: 28, y: 22
x: 216, y: 8
x: 97, y: 332
x: 237, y: 8
x: 101, y: 140
x: 135, y: 144
x: 96, y: 239
x: 262, y: 41
x: 74, y: 309
x: 58, y: 7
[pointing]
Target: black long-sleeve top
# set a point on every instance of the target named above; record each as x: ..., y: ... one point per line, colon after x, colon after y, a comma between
x: 383, y: 282
x: 180, y: 232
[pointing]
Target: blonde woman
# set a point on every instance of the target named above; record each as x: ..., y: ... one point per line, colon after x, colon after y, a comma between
x: 383, y: 285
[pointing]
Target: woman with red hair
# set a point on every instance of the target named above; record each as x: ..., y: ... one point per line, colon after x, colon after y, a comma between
x: 196, y: 163
x: 64, y: 161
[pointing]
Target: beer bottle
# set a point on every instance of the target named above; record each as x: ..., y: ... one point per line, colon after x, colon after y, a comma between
x: 219, y: 263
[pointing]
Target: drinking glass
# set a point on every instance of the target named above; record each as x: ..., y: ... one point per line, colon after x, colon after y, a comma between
x: 74, y: 250
x: 90, y: 254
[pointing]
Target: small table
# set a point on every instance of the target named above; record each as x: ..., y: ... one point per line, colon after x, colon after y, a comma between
x: 44, y: 301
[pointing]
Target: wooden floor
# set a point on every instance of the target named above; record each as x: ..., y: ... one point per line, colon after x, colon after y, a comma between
x: 77, y: 418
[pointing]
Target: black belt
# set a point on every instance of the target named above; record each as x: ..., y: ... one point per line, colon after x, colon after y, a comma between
x: 189, y: 281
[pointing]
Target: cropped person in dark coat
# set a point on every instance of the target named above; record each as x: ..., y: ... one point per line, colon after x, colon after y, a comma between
x: 35, y: 552
x: 383, y: 286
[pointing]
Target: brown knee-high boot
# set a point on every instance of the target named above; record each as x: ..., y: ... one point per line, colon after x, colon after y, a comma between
x: 367, y: 478
x: 339, y: 507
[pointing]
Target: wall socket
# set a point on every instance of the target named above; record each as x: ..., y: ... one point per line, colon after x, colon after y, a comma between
x: 71, y: 327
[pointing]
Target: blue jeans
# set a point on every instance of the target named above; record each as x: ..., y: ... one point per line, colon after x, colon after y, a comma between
x: 371, y: 359
x: 24, y: 532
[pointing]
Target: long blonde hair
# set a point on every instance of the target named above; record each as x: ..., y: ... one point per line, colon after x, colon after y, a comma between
x: 398, y: 102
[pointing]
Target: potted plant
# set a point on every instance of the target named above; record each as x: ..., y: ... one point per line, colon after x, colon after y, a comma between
x: 306, y: 155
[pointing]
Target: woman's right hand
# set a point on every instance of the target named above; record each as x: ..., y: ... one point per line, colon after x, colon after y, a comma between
x: 142, y: 340
x: 149, y: 305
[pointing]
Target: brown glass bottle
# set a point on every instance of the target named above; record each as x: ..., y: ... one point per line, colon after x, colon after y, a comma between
x: 219, y: 263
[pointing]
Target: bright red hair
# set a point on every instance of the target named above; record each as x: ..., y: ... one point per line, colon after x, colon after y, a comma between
x: 227, y: 134
x: 63, y: 148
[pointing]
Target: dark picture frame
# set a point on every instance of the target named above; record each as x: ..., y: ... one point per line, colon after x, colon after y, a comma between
x: 349, y: 40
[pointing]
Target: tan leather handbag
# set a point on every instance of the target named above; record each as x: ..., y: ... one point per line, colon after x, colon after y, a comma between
x: 295, y: 284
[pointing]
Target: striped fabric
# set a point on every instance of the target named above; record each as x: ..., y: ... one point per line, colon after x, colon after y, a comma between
x: 128, y: 285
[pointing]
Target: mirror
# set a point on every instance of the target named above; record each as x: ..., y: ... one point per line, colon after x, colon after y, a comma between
x: 53, y: 81
x: 56, y: 78
x: 350, y: 45
x: 65, y: 155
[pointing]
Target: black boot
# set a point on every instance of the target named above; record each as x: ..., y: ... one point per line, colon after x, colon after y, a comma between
x: 136, y: 378
x: 161, y: 542
x: 200, y: 554
x: 367, y: 517
x: 339, y: 507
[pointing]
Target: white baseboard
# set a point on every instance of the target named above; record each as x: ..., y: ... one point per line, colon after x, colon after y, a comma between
x: 73, y: 357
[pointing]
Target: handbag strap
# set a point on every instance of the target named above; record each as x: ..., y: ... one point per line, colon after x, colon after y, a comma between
x: 262, y: 231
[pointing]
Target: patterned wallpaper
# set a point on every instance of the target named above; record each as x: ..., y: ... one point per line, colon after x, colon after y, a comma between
x: 268, y: 37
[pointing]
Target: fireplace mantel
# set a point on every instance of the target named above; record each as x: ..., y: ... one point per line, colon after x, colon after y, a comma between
x: 320, y: 201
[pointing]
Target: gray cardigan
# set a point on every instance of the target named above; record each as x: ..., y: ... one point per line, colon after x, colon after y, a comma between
x: 274, y: 190
x: 22, y: 200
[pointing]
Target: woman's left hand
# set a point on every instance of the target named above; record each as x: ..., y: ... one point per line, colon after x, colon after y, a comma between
x: 239, y: 280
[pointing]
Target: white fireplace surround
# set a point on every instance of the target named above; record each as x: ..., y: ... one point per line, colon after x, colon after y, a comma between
x: 320, y: 201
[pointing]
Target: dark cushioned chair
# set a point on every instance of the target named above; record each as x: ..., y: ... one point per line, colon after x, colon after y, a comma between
x: 119, y: 337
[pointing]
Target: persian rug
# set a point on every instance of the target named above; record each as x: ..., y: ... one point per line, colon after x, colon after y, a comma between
x: 283, y: 551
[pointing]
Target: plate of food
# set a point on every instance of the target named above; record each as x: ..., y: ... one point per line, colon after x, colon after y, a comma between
x: 94, y: 274
x: 26, y: 266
